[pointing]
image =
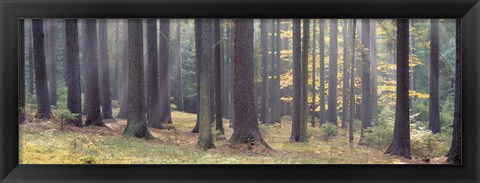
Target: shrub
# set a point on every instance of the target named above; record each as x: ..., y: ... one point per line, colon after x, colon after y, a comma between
x: 329, y: 130
x: 426, y: 145
x: 380, y: 134
x: 63, y: 114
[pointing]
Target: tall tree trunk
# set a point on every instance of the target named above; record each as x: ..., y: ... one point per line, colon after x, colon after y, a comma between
x: 412, y: 69
x: 165, y: 111
x: 21, y: 71
x: 373, y: 68
x: 297, y: 79
x: 434, y: 104
x: 400, y: 144
x: 246, y: 128
x: 313, y: 105
x: 116, y: 57
x: 180, y: 106
x: 91, y: 76
x: 153, y: 93
x: 455, y: 153
x: 366, y: 86
x: 332, y: 76
x: 352, y: 81
x: 125, y: 56
x: 264, y: 45
x: 322, y: 71
x: 218, y: 79
x: 30, y: 57
x: 105, y: 93
x: 74, y: 97
x: 272, y: 73
x: 345, y: 77
x: 43, y: 98
x: 304, y: 95
x: 277, y: 73
x: 52, y: 62
x: 232, y: 76
x: 198, y: 53
x: 205, y: 138
x: 136, y: 124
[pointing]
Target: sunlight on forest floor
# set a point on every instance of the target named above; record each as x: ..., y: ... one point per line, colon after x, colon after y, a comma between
x: 44, y: 142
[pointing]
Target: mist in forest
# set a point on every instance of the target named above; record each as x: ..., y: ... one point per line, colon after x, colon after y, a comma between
x: 232, y: 91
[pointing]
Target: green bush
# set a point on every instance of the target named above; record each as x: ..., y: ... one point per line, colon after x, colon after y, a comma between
x: 329, y: 130
x: 446, y: 113
x: 426, y: 145
x: 380, y: 134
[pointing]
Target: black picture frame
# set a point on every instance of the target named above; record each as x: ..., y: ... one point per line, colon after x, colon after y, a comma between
x: 12, y: 10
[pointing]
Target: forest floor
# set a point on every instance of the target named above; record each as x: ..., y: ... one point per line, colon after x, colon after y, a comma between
x: 46, y: 142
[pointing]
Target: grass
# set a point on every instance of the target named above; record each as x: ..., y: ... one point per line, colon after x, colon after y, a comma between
x: 43, y: 142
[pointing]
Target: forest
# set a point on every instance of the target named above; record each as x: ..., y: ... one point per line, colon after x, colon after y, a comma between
x: 240, y: 91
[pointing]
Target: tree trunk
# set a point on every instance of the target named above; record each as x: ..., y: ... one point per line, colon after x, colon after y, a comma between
x: 277, y: 73
x: 322, y: 71
x: 52, y: 62
x: 91, y: 73
x: 345, y: 77
x: 218, y: 80
x: 153, y: 88
x: 373, y: 69
x: 165, y: 111
x: 43, y: 98
x: 352, y: 81
x: 74, y: 97
x: 21, y: 71
x: 313, y: 105
x: 205, y: 138
x: 297, y: 79
x: 400, y: 144
x: 304, y: 95
x: 246, y: 128
x: 366, y: 86
x: 116, y: 57
x: 332, y: 76
x: 105, y: 93
x: 198, y: 47
x: 272, y: 73
x: 231, y: 76
x: 136, y: 124
x: 124, y: 88
x: 30, y: 58
x: 434, y: 104
x: 264, y: 45
x: 455, y: 153
x: 180, y: 106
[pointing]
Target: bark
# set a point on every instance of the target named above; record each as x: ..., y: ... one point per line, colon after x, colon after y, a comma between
x: 124, y: 88
x: 277, y: 74
x: 264, y: 45
x: 332, y: 76
x: 246, y: 127
x: 271, y: 73
x: 231, y: 76
x: 322, y: 71
x: 218, y: 80
x: 153, y: 88
x: 297, y: 90
x: 43, y: 98
x: 105, y: 92
x: 434, y: 104
x: 136, y: 124
x: 366, y: 87
x: 52, y: 62
x: 205, y: 138
x: 352, y: 81
x: 92, y: 90
x: 198, y: 47
x: 21, y: 71
x: 304, y: 95
x: 116, y: 57
x: 31, y: 63
x: 373, y: 68
x: 180, y: 106
x: 74, y: 97
x: 400, y: 144
x: 345, y: 77
x: 313, y: 105
x: 455, y: 153
x: 165, y: 111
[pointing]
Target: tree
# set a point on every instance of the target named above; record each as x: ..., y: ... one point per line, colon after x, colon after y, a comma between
x: 30, y: 57
x: 352, y: 80
x: 365, y: 77
x: 455, y: 153
x: 124, y: 87
x: 136, y: 124
x: 278, y: 65
x: 264, y: 45
x: 312, y: 107
x: 165, y: 111
x: 304, y: 95
x: 153, y: 93
x: 205, y: 140
x: 91, y: 76
x: 218, y: 79
x: 51, y: 61
x: 322, y: 71
x: 74, y: 98
x: 180, y: 66
x: 373, y: 68
x: 21, y: 71
x: 400, y: 144
x: 105, y: 94
x: 345, y: 77
x: 297, y: 90
x: 43, y: 98
x: 332, y: 83
x: 246, y: 127
x: 434, y: 104
x: 198, y: 47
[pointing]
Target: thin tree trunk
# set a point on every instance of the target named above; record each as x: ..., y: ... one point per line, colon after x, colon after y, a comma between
x: 304, y: 96
x: 373, y: 69
x: 345, y: 77
x: 366, y: 86
x: 322, y: 71
x: 455, y: 153
x: 21, y: 71
x: 30, y: 57
x: 313, y: 105
x: 103, y: 63
x: 165, y: 111
x: 180, y: 106
x: 332, y: 76
x: 277, y: 73
x: 434, y: 104
x: 52, y: 62
x: 297, y: 90
x: 74, y: 97
x: 43, y: 100
x: 264, y: 45
x: 218, y: 80
x: 124, y: 77
x: 153, y: 93
x: 352, y: 81
x: 198, y: 47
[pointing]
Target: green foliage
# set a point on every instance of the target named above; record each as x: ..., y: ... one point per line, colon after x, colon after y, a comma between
x: 329, y: 130
x: 380, y: 134
x: 446, y: 113
x: 426, y: 145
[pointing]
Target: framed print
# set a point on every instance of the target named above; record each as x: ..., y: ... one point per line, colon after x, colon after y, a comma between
x: 344, y: 91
